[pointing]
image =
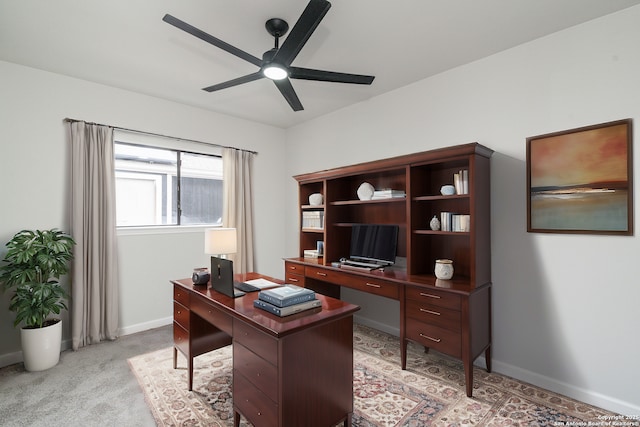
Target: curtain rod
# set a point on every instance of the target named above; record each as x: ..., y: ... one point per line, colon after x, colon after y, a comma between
x: 68, y: 120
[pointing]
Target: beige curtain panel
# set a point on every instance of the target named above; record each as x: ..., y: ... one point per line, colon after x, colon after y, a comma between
x: 94, y: 271
x: 238, y: 205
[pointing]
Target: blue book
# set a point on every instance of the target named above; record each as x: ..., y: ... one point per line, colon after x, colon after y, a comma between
x: 288, y: 310
x: 286, y: 295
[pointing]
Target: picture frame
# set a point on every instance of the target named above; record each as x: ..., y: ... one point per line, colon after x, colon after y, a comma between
x: 580, y: 180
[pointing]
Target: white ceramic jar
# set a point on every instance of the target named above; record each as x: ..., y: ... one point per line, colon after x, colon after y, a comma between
x: 444, y: 269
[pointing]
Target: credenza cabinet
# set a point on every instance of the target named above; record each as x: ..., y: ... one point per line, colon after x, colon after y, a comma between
x: 449, y: 316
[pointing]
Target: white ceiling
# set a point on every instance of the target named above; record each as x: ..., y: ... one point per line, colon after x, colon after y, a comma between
x: 125, y: 44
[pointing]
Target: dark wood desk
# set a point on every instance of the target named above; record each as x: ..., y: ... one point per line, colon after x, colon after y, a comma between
x: 290, y: 371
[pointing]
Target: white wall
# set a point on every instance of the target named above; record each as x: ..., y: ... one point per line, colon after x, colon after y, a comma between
x: 34, y: 178
x: 565, y: 306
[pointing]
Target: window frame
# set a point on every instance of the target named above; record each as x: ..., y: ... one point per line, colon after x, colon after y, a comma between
x: 179, y: 147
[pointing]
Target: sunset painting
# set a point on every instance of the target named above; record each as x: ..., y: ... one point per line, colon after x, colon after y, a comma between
x: 580, y: 180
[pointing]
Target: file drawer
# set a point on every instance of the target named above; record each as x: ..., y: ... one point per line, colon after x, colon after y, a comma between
x: 181, y: 315
x: 180, y: 295
x: 257, y: 341
x: 433, y: 315
x: 435, y: 337
x: 212, y: 315
x: 434, y: 297
x: 257, y: 370
x: 252, y: 403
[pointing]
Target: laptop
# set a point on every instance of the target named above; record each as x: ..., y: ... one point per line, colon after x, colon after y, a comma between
x: 222, y: 279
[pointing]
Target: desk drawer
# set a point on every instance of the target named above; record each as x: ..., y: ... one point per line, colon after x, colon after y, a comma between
x: 257, y: 370
x: 294, y: 279
x: 180, y: 295
x: 180, y: 338
x: 252, y: 403
x: 324, y: 275
x: 435, y: 337
x: 434, y: 297
x: 433, y: 315
x: 181, y: 315
x: 257, y: 341
x: 373, y: 286
x: 213, y: 315
x: 290, y: 267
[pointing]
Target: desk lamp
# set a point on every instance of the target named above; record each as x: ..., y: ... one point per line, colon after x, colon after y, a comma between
x: 220, y: 242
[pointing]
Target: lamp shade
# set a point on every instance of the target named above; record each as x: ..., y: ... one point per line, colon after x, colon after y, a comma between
x: 220, y: 241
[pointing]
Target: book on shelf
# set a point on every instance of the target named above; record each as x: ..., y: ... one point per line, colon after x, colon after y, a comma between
x: 288, y: 310
x: 287, y: 295
x: 387, y: 194
x: 461, y: 181
x: 450, y: 221
x: 312, y: 253
x: 313, y: 219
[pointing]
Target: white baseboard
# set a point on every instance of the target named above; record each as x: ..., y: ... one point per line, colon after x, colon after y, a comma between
x: 583, y: 395
x: 587, y: 396
x: 140, y: 327
x: 10, y: 358
x: 376, y: 325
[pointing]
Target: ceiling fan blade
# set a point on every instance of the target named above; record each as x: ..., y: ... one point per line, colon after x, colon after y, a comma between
x: 286, y: 89
x: 329, y: 76
x: 212, y: 40
x: 302, y: 30
x: 235, y: 82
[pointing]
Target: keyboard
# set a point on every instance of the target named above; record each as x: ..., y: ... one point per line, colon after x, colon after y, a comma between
x: 362, y: 264
x: 245, y: 287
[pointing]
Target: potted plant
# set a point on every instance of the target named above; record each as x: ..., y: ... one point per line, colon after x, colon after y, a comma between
x: 32, y: 267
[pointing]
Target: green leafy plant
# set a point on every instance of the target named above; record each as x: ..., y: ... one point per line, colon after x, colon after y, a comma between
x: 34, y: 262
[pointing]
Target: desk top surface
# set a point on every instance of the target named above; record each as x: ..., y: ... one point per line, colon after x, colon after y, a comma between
x: 242, y: 307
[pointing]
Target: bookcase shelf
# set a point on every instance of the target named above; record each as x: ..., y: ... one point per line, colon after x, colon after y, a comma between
x: 424, y: 300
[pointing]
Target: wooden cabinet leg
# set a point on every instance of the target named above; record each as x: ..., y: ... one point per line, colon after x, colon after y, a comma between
x: 236, y: 418
x: 487, y: 358
x: 190, y: 373
x: 403, y: 353
x: 468, y: 377
x: 175, y: 358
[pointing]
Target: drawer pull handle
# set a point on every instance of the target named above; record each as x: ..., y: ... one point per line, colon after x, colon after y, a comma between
x: 373, y: 285
x: 429, y: 295
x: 424, y: 310
x: 292, y: 268
x: 321, y: 274
x: 291, y: 279
x: 429, y: 338
x: 179, y: 312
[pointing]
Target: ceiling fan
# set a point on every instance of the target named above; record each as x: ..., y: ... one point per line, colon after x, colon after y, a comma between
x: 276, y: 63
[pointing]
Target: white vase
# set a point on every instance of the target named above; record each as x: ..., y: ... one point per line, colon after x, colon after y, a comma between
x: 434, y: 223
x: 444, y: 269
x: 316, y: 199
x: 41, y: 347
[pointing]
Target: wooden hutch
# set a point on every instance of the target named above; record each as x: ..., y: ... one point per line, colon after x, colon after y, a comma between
x: 450, y: 316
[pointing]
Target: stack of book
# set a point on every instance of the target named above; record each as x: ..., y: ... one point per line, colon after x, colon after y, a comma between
x: 461, y: 181
x: 286, y: 300
x: 313, y: 219
x: 387, y: 194
x: 450, y: 221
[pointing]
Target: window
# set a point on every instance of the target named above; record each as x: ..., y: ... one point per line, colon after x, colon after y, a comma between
x: 161, y: 186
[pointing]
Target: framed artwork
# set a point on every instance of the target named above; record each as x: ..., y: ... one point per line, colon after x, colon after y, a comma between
x: 580, y: 180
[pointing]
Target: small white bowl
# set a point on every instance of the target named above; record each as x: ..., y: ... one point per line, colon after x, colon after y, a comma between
x: 448, y: 190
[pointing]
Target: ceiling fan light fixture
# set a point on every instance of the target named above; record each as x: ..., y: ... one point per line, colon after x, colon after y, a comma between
x: 275, y: 72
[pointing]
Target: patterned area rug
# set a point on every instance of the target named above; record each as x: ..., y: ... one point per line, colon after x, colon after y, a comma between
x: 430, y: 392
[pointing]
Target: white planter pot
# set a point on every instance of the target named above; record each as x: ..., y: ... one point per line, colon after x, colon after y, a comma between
x: 41, y: 347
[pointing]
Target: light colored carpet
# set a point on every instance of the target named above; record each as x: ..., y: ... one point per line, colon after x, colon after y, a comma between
x: 430, y: 392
